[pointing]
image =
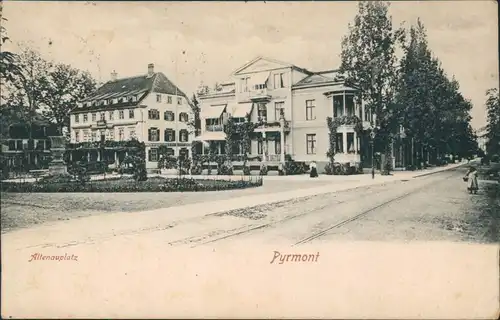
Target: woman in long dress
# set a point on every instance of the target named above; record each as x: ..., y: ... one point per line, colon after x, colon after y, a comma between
x: 313, y: 170
x: 471, y: 178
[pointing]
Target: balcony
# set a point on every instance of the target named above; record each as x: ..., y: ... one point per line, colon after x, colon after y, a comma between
x: 265, y: 126
x: 259, y: 95
x: 255, y: 95
x: 215, y: 128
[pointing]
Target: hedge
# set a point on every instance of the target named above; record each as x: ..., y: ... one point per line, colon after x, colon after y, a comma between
x: 130, y: 185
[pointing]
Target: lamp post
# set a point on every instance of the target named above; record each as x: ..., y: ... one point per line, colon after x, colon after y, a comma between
x: 372, y: 136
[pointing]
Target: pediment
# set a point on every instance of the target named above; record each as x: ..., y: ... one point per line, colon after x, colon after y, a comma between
x: 261, y: 64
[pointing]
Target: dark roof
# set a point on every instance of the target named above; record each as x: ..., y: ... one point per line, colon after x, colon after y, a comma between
x: 319, y: 77
x: 135, y: 86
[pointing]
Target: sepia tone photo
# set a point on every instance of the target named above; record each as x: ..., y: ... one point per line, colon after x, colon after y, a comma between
x: 250, y: 159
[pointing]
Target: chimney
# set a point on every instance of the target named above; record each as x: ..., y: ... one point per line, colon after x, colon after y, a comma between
x: 114, y: 75
x: 151, y: 69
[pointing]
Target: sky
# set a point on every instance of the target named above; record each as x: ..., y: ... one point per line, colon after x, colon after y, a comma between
x: 194, y: 42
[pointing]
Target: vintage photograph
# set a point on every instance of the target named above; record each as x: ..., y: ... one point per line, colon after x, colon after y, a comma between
x: 170, y: 127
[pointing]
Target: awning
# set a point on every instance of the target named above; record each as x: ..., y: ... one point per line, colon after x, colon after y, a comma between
x: 242, y: 109
x: 211, y: 136
x: 259, y: 78
x: 212, y: 112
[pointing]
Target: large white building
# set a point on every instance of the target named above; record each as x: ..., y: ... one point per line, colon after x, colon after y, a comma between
x: 293, y: 103
x: 482, y: 139
x: 149, y: 108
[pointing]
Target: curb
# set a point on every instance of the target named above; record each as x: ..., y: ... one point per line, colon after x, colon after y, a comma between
x: 437, y: 171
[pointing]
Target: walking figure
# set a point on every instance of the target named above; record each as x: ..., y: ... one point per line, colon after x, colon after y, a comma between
x: 471, y: 179
x: 313, y: 170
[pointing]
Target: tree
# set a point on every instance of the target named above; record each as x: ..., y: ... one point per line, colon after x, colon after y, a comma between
x: 61, y: 90
x: 369, y: 62
x: 194, y: 123
x: 8, y: 66
x: 430, y: 107
x: 493, y: 126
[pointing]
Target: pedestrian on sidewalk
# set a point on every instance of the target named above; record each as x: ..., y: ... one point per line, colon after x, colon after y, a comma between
x: 313, y: 172
x: 471, y: 179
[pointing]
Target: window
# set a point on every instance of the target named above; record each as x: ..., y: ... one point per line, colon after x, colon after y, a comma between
x: 121, y: 114
x: 111, y: 115
x: 278, y: 109
x: 311, y: 143
x: 158, y: 98
x: 153, y: 154
x: 112, y: 134
x: 168, y: 116
x: 244, y: 85
x: 349, y: 105
x: 153, y: 134
x: 279, y: 80
x: 183, y: 117
x: 339, y: 143
x: 131, y: 114
x: 310, y: 110
x: 77, y: 118
x: 94, y: 117
x: 85, y: 117
x: 183, y: 135
x: 103, y: 116
x: 179, y: 100
x: 350, y: 142
x: 94, y: 135
x: 131, y: 133
x: 170, y: 152
x: 262, y: 111
x: 259, y: 147
x: 85, y: 135
x: 338, y: 106
x: 183, y: 153
x: 368, y: 115
x: 277, y: 147
x: 169, y: 135
x: 154, y: 114
x: 236, y: 148
x: 121, y: 134
x: 169, y: 99
x: 260, y: 86
x: 77, y: 136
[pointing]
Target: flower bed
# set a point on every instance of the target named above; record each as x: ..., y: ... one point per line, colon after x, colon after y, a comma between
x: 154, y: 184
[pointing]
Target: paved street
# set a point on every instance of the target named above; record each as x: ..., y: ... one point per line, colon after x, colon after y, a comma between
x: 435, y: 207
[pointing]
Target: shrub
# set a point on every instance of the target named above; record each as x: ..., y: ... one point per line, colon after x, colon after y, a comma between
x: 328, y: 169
x: 225, y: 169
x: 130, y: 185
x: 263, y: 170
x: 57, y: 178
x: 246, y: 170
x: 294, y: 168
x: 196, y: 169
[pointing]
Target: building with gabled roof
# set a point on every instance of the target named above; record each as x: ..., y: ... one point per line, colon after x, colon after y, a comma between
x: 292, y: 105
x: 149, y: 108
